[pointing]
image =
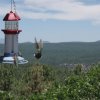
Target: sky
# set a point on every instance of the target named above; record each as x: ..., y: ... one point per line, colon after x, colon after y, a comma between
x: 55, y: 20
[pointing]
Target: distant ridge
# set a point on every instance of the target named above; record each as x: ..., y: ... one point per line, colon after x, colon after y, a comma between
x: 64, y: 52
x: 98, y: 41
x: 57, y: 42
x: 24, y: 42
x: 46, y: 42
x: 33, y: 42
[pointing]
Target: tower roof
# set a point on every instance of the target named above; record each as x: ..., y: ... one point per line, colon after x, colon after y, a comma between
x: 11, y: 16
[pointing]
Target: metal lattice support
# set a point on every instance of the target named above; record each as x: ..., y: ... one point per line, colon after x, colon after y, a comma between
x: 13, y: 5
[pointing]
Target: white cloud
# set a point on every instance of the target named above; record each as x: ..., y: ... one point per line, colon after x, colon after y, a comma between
x: 59, y: 9
x: 66, y: 10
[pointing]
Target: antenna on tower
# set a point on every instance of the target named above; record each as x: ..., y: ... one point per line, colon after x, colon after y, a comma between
x: 13, y: 5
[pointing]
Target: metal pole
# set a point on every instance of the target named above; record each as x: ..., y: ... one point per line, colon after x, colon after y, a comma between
x: 11, y: 5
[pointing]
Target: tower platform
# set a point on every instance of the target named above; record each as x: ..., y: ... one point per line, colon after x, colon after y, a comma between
x: 10, y: 60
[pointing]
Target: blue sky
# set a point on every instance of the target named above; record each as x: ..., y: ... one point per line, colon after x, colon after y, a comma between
x: 56, y: 20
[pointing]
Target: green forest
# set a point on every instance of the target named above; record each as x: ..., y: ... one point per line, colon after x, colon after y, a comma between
x: 46, y: 80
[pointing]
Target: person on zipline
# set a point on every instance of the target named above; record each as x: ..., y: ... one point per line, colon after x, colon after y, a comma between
x: 15, y: 60
x: 39, y: 47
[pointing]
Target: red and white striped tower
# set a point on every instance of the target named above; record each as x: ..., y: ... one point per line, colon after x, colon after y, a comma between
x: 11, y: 32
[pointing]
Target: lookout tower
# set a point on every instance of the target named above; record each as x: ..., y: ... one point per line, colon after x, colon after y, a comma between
x: 11, y: 32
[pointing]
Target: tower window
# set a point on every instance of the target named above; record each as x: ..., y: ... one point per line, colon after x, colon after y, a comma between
x: 12, y: 25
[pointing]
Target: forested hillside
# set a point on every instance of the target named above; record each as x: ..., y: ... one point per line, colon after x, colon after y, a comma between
x: 60, y: 53
x: 45, y: 81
